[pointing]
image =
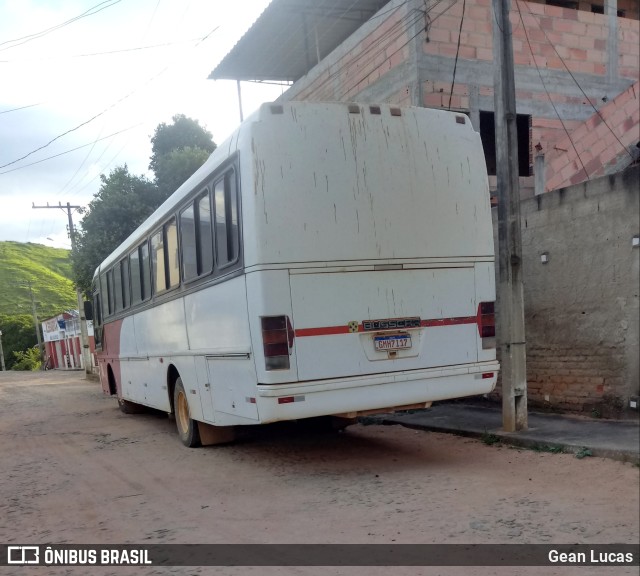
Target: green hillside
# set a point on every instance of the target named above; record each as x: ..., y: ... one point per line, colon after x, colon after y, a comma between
x: 48, y: 270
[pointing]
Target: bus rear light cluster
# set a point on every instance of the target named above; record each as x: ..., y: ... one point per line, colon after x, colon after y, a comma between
x: 277, y: 341
x: 487, y: 324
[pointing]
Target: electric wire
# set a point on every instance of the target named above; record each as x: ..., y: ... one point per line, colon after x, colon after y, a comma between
x: 35, y: 36
x: 455, y: 64
x: 547, y: 92
x: 71, y: 150
x: 415, y: 14
x: 21, y: 108
x: 383, y: 49
x: 108, y: 108
x: 580, y: 87
x: 369, y: 55
x: 93, y: 54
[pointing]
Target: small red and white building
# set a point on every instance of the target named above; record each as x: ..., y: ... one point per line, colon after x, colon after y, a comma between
x: 62, y: 342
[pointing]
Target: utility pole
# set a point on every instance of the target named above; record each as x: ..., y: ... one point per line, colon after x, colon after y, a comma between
x: 2, y: 354
x: 34, y: 312
x: 84, y: 333
x: 511, y: 335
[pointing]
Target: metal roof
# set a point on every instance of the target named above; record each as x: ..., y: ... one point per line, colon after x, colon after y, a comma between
x: 291, y: 36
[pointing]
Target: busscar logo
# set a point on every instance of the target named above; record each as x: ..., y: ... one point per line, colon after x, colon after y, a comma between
x: 391, y: 324
x: 23, y: 555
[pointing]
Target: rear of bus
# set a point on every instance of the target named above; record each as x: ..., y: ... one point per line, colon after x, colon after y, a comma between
x: 369, y: 259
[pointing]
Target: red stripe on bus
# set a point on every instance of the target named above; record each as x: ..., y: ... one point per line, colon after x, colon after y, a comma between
x: 450, y: 321
x: 330, y: 330
x: 325, y: 331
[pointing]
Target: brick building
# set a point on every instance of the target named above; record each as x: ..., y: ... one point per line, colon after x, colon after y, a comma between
x: 576, y: 70
x: 62, y: 344
x: 578, y: 103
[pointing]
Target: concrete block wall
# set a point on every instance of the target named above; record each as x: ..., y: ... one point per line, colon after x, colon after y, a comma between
x: 581, y: 307
x: 596, y: 145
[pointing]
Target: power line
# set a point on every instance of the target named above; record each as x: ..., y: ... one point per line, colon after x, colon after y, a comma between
x: 547, y: 92
x: 90, y: 12
x: 455, y: 65
x: 579, y: 87
x: 20, y: 108
x: 111, y: 106
x: 105, y: 53
x: 383, y: 49
x: 72, y: 149
x: 368, y: 55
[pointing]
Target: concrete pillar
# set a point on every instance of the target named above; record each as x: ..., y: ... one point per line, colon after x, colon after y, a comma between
x: 539, y: 174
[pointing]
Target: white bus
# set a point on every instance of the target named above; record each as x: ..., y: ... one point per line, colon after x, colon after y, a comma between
x: 328, y: 259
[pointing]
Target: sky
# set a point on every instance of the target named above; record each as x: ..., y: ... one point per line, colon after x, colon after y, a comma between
x: 84, y: 84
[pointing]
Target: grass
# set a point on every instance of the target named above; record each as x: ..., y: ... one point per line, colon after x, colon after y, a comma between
x: 49, y: 272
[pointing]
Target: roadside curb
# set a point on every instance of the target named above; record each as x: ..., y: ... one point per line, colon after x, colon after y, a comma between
x: 512, y: 439
x: 532, y: 439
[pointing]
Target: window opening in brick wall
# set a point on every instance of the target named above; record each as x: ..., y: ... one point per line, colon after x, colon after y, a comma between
x: 488, y: 137
x: 563, y: 4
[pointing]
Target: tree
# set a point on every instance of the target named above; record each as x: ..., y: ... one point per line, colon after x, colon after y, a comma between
x: 178, y: 150
x: 123, y: 202
x: 175, y: 168
x: 18, y: 335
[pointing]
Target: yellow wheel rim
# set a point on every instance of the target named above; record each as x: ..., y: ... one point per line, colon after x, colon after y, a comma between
x: 182, y: 410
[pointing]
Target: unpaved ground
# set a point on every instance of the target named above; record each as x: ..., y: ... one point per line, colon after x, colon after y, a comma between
x: 76, y: 470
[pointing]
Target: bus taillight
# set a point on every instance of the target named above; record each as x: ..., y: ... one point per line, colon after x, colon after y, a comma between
x: 277, y: 341
x: 487, y: 324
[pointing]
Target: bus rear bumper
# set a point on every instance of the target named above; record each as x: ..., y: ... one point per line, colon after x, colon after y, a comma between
x: 373, y: 392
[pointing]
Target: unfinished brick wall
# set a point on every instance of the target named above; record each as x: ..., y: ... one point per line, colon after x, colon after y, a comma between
x: 363, y: 61
x: 628, y: 47
x: 596, y: 144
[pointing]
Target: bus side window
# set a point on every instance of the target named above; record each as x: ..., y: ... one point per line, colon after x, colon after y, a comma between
x: 157, y: 262
x: 165, y: 260
x: 188, y: 242
x: 136, y: 278
x: 145, y: 272
x: 117, y: 286
x: 226, y: 219
x: 110, y: 294
x: 97, y: 320
x: 172, y: 254
x: 105, y: 297
x: 205, y: 235
x: 126, y: 292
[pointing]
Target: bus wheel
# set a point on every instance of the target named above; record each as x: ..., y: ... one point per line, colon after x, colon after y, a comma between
x: 187, y: 427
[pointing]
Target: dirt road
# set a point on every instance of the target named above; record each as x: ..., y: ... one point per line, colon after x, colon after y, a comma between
x: 77, y: 470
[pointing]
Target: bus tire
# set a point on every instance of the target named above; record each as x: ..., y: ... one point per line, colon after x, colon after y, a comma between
x: 187, y: 427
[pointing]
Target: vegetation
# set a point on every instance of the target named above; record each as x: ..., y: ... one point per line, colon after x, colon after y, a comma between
x: 48, y: 270
x: 29, y: 360
x: 125, y: 200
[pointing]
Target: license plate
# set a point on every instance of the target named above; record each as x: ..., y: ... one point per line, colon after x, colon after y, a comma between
x: 394, y: 342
